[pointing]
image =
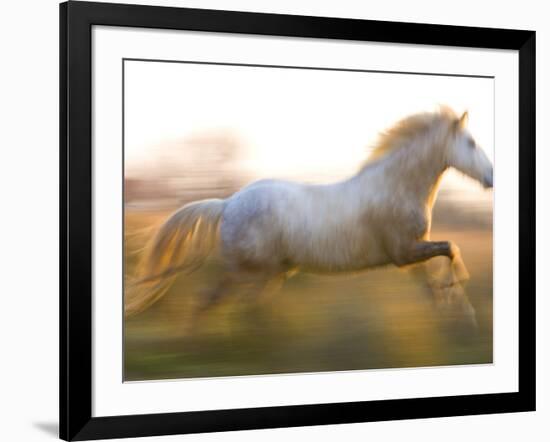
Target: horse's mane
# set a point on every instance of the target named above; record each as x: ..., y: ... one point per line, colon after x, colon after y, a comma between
x: 397, y: 136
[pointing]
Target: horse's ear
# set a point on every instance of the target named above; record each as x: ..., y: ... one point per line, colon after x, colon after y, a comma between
x: 463, y: 120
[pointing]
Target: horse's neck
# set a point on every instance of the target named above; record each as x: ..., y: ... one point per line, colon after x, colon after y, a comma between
x: 409, y: 173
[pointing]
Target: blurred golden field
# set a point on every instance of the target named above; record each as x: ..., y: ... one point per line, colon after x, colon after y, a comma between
x: 381, y: 318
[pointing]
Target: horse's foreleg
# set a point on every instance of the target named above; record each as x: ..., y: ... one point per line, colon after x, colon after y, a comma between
x: 425, y: 250
x: 451, y: 302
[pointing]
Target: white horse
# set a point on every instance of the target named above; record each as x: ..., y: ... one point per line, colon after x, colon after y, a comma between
x: 271, y: 228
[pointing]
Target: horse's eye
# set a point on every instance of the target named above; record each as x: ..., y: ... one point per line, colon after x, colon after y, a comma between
x: 471, y: 143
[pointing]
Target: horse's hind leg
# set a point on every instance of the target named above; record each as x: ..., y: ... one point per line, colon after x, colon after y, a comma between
x: 213, y: 295
x: 252, y: 285
x: 208, y: 299
x: 235, y: 279
x: 265, y: 287
x: 256, y: 293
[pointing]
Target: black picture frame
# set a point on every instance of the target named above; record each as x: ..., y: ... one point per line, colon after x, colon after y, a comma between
x: 76, y: 21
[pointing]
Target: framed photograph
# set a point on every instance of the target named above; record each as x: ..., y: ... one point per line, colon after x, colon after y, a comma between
x: 274, y: 220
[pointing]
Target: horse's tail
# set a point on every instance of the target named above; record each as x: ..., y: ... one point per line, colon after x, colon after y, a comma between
x: 181, y: 244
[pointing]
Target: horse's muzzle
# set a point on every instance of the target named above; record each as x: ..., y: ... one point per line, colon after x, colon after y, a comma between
x: 488, y: 180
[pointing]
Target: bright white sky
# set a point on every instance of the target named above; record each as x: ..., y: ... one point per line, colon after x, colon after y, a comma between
x: 293, y: 122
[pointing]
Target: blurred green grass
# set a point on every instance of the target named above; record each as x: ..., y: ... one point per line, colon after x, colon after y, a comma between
x: 381, y: 318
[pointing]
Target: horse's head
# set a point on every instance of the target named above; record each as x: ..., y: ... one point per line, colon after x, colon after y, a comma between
x: 465, y: 155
